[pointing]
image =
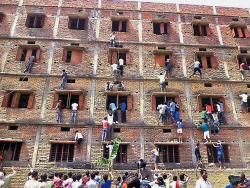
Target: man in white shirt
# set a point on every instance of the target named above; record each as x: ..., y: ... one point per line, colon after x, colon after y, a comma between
x: 5, y: 180
x: 78, y: 137
x: 115, y: 70
x: 92, y: 183
x: 156, y: 156
x: 162, y: 108
x: 33, y: 183
x: 121, y: 63
x: 74, y: 112
x: 203, y: 182
x: 162, y: 81
x: 78, y: 183
x: 69, y: 180
x: 244, y: 101
x: 112, y: 39
x: 197, y: 68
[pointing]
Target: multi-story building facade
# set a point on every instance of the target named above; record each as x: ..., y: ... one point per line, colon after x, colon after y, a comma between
x: 74, y: 35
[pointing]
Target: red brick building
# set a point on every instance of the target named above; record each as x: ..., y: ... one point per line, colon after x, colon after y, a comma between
x: 74, y: 35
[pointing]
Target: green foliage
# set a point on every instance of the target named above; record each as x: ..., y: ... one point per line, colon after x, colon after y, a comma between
x: 103, y: 161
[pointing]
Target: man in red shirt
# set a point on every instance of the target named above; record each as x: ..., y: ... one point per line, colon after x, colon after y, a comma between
x: 209, y: 113
x: 58, y: 181
x: 243, y: 67
x: 105, y: 128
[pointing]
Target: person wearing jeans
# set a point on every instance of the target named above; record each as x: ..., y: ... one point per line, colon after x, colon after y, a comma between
x: 123, y: 112
x: 105, y: 128
x: 172, y: 110
x: 112, y: 106
x: 244, y: 101
x: 64, y: 79
x: 74, y: 112
x: 59, y: 111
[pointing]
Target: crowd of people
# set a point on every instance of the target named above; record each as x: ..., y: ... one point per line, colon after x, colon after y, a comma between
x: 142, y: 179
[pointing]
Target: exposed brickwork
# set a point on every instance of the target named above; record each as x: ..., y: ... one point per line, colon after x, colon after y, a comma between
x: 140, y: 81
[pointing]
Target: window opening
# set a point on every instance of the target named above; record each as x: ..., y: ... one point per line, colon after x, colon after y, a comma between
x: 209, y: 63
x: 23, y: 101
x: 62, y: 152
x: 65, y: 129
x: 117, y: 130
x: 13, y: 128
x: 208, y: 85
x: 122, y: 56
x: 10, y: 151
x: 23, y: 56
x: 199, y: 59
x: 166, y: 130
x: 68, y: 58
x: 169, y: 153
x: 202, y: 49
x: 71, y: 81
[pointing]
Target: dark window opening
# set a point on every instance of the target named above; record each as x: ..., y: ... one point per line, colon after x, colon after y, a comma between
x: 23, y: 79
x: 117, y: 130
x: 207, y: 84
x: 122, y: 56
x: 199, y: 59
x: 115, y: 26
x: 248, y: 104
x: 235, y: 19
x: 212, y: 154
x: 157, y: 28
x: 74, y: 99
x: 236, y: 33
x: 169, y: 153
x: 124, y: 26
x: 123, y: 99
x: 71, y: 81
x: 122, y: 154
x: 68, y: 58
x: 120, y: 13
x: 10, y: 99
x: 204, y: 30
x: 166, y: 57
x: 197, y: 17
x: 202, y: 49
x: 34, y: 21
x: 210, y: 101
x: 209, y: 63
x: 10, y: 151
x: 74, y: 44
x: 111, y: 99
x: 77, y: 23
x: 31, y: 42
x: 65, y: 129
x: 162, y: 100
x: 243, y: 51
x: 248, y: 85
x: 62, y: 152
x: 161, y: 48
x: 13, y: 128
x: 166, y: 130
x: 1, y: 17
x: 196, y: 30
x: 23, y: 56
x: 243, y: 32
x: 34, y: 52
x: 24, y: 99
x: 68, y: 99
x: 206, y: 101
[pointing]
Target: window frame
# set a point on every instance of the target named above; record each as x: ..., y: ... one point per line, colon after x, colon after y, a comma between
x: 211, y: 98
x: 76, y: 54
x: 201, y: 29
x: 166, y: 158
x: 36, y: 18
x: 114, y: 53
x: 166, y: 95
x: 77, y: 25
x: 30, y: 50
x: 163, y: 28
x: 239, y: 31
x: 122, y: 153
x: 129, y: 105
x: 15, y: 100
x: 15, y: 153
x: 213, y: 158
x: 202, y: 57
x: 122, y: 25
x: 70, y: 151
x: 160, y: 57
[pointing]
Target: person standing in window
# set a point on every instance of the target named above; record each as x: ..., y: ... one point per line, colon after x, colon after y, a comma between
x: 64, y: 79
x: 78, y: 137
x: 156, y: 156
x: 31, y: 61
x: 244, y: 101
x: 179, y: 130
x: 222, y: 113
x: 162, y: 109
x: 74, y: 112
x: 168, y: 68
x: 59, y: 111
x: 172, y: 110
x: 209, y: 113
x: 121, y: 63
x: 112, y: 106
x: 243, y: 68
x: 123, y: 112
x: 198, y: 155
x: 220, y: 154
x: 105, y: 129
x: 112, y: 39
x: 197, y: 68
x: 162, y: 81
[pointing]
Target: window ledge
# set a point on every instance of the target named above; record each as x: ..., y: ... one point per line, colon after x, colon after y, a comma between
x: 212, y: 95
x: 117, y: 18
x: 30, y: 46
x: 237, y: 24
x: 202, y: 22
x: 79, y: 48
x: 62, y: 141
x: 10, y: 140
x: 79, y: 15
x: 222, y: 143
x: 118, y: 92
x: 19, y: 90
x: 168, y: 143
x: 122, y: 143
x: 244, y: 55
x: 160, y: 20
x: 174, y: 94
x: 167, y: 52
x: 118, y: 49
x: 70, y: 91
x: 204, y: 53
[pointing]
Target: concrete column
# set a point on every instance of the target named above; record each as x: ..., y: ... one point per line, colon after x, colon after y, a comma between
x: 38, y: 135
x: 51, y: 54
x: 244, y: 165
x: 218, y: 26
x: 92, y: 104
x: 57, y: 18
x: 142, y: 100
x: 231, y: 97
x: 99, y: 3
x: 142, y: 142
x: 18, y: 12
x: 44, y: 97
x: 89, y: 142
x: 192, y: 143
x: 189, y: 104
x: 184, y: 64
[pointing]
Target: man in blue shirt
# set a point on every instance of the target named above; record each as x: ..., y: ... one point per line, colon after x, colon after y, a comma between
x: 168, y: 115
x: 123, y: 112
x: 106, y: 183
x: 112, y: 106
x: 179, y: 130
x: 172, y: 110
x: 205, y: 129
x: 220, y: 154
